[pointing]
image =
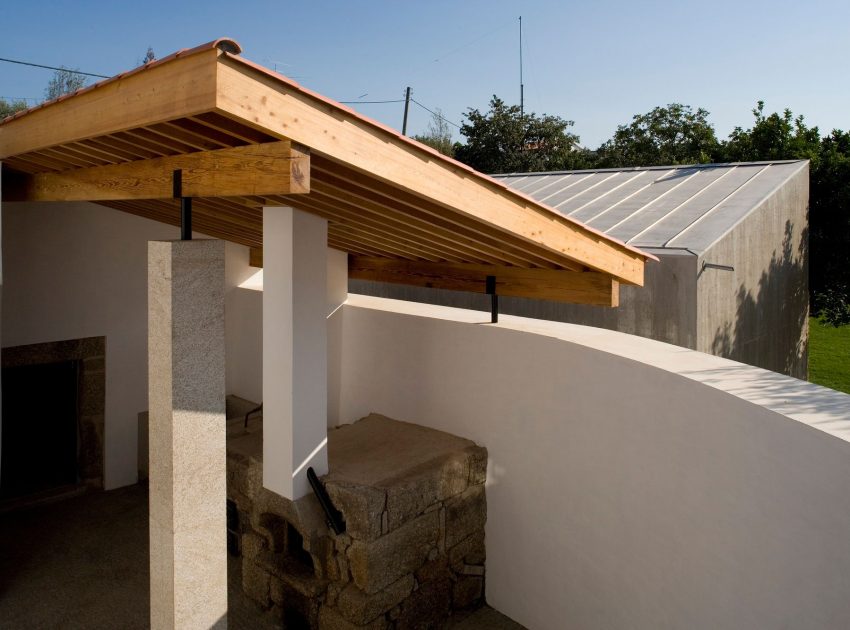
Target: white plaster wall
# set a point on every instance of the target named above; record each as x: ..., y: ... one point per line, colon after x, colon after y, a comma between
x: 631, y: 484
x: 79, y: 270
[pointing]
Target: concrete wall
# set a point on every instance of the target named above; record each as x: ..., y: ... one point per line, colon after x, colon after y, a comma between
x: 80, y: 270
x: 663, y: 309
x: 758, y: 313
x: 632, y: 484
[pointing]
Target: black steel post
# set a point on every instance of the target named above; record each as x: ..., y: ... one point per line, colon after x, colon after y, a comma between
x: 185, y: 206
x: 185, y: 218
x: 494, y: 299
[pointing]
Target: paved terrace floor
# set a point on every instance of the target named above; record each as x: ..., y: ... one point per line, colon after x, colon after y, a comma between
x: 83, y: 563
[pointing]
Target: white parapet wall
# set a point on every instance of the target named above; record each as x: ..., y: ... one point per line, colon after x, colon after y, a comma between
x: 631, y: 484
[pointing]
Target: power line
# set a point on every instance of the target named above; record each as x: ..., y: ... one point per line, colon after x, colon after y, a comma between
x: 433, y: 113
x: 398, y: 100
x: 38, y: 65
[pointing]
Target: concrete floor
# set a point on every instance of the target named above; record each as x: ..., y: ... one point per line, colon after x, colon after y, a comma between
x: 83, y: 563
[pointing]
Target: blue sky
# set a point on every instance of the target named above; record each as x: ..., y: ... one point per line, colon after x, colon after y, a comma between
x: 597, y: 63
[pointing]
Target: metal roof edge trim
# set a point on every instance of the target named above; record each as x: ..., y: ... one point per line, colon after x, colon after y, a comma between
x: 627, y: 169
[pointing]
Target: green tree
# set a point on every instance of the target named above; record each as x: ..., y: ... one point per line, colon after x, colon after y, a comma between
x: 64, y: 81
x: 439, y: 134
x: 666, y: 135
x: 772, y: 137
x: 149, y: 56
x: 7, y: 108
x: 504, y: 140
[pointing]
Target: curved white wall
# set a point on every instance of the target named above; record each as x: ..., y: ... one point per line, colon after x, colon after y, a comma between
x: 632, y: 484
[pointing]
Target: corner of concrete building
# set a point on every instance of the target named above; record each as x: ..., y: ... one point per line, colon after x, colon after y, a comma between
x: 757, y: 313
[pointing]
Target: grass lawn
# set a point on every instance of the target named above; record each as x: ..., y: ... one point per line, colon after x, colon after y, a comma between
x: 829, y: 355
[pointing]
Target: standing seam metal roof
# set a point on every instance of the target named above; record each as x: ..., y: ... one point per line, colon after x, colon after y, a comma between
x: 659, y: 207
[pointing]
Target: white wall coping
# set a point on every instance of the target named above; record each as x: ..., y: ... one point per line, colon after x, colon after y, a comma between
x: 819, y: 407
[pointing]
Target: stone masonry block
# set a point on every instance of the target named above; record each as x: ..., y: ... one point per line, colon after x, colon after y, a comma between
x: 331, y: 619
x: 465, y: 514
x: 361, y: 608
x: 424, y: 486
x: 427, y: 607
x: 377, y: 564
x: 361, y: 506
x: 467, y: 591
x: 470, y: 550
x: 477, y: 465
x: 255, y: 582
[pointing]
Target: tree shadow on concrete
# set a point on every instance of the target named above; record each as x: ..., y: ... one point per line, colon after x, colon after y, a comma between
x: 767, y: 326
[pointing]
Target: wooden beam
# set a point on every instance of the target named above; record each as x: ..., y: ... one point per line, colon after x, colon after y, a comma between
x: 251, y: 96
x: 184, y: 86
x: 256, y: 169
x: 543, y: 284
x: 255, y: 257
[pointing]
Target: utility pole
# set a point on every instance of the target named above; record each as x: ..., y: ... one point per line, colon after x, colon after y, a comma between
x: 406, y: 107
x: 521, y: 86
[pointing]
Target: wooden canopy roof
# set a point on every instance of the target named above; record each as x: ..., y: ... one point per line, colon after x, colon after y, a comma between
x: 245, y: 137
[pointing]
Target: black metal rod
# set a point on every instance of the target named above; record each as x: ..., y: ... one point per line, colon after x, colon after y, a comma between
x: 334, y: 517
x: 494, y: 299
x: 185, y: 206
x: 185, y: 218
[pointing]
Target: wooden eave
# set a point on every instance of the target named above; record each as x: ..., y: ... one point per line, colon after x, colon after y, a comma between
x: 247, y: 138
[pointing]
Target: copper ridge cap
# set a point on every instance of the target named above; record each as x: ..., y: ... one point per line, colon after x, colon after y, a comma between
x: 224, y: 44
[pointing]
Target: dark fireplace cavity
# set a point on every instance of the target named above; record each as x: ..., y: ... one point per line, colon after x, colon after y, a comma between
x: 40, y: 427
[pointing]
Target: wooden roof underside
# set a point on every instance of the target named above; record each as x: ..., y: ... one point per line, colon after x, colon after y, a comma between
x: 404, y: 212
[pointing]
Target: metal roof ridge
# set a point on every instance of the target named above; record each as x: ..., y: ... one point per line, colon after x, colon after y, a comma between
x: 665, y: 167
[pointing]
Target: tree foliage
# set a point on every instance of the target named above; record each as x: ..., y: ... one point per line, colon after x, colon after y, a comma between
x: 149, y: 56
x: 64, y: 81
x: 666, y: 135
x: 772, y: 137
x: 7, y: 108
x: 439, y: 134
x: 504, y: 140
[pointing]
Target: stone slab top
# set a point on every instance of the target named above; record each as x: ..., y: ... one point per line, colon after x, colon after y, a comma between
x: 370, y: 452
x: 376, y: 449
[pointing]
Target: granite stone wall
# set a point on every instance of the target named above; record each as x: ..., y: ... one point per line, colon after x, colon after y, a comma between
x: 413, y: 550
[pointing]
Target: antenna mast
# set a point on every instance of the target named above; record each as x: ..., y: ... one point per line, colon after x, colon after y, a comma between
x: 521, y: 87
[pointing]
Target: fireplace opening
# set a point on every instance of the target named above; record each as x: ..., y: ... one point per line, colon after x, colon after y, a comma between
x: 40, y: 441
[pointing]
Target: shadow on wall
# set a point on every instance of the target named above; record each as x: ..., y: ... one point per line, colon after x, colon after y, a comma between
x: 780, y: 310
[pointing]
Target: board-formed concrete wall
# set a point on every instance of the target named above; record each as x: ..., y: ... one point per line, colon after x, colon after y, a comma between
x: 77, y: 270
x: 758, y: 313
x: 632, y: 484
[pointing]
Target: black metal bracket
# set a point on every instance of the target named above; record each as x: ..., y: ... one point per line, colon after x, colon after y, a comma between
x: 185, y: 206
x: 494, y: 299
x: 333, y: 515
x: 254, y: 410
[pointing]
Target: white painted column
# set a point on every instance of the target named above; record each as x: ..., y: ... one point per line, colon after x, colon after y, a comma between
x: 188, y: 550
x: 295, y: 364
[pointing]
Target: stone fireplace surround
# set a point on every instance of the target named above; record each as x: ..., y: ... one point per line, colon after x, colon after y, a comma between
x: 91, y: 353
